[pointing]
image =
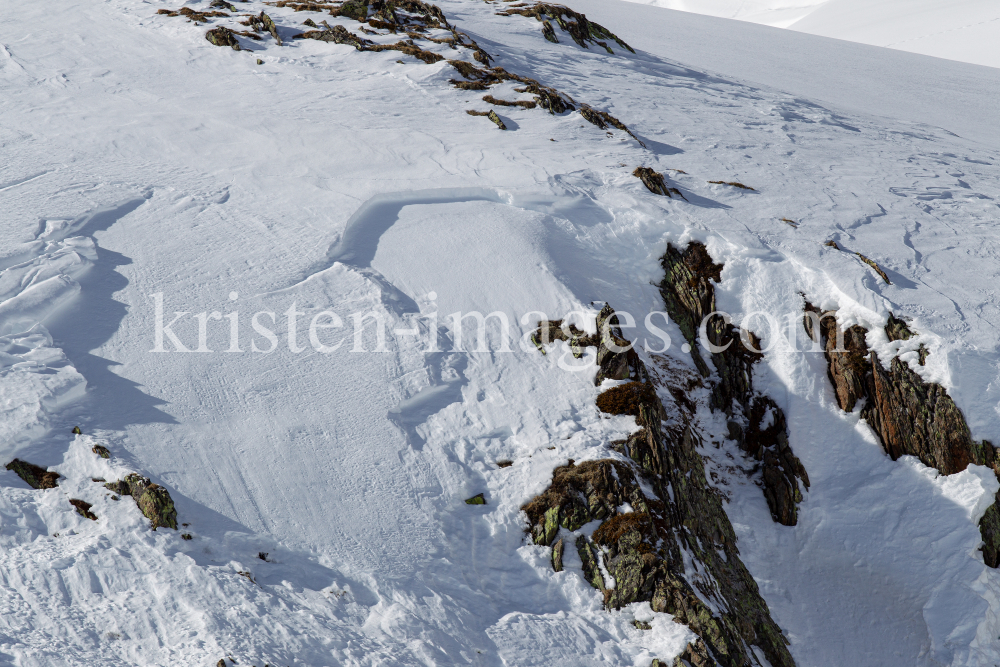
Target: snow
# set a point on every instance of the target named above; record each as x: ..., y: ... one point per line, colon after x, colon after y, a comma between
x: 140, y: 160
x: 962, y: 30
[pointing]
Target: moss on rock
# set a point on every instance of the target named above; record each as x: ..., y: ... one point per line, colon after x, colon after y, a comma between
x: 153, y: 500
x: 34, y: 476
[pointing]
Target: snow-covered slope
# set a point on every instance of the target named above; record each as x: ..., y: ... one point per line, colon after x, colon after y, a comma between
x: 964, y: 30
x: 144, y: 167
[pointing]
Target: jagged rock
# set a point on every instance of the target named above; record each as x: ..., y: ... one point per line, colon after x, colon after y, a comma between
x: 577, y: 25
x: 83, y: 508
x: 557, y: 556
x: 549, y: 33
x: 222, y: 36
x: 478, y: 499
x: 355, y: 9
x: 616, y: 358
x: 153, y: 500
x: 875, y: 266
x: 909, y: 416
x: 654, y: 182
x: 756, y: 422
x: 101, y: 451
x: 642, y: 550
x: 222, y: 4
x: 337, y: 34
x: 492, y: 115
x: 642, y: 625
x: 76, y: 430
x: 602, y: 119
x: 588, y: 556
x: 270, y: 27
x: 34, y: 476
x: 695, y: 655
x: 524, y: 104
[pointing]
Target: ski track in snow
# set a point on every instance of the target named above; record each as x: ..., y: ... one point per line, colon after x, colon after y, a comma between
x: 152, y: 162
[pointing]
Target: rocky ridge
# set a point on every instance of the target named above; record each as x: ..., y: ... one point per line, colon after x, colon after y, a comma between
x: 754, y: 420
x: 909, y: 415
x: 676, y: 517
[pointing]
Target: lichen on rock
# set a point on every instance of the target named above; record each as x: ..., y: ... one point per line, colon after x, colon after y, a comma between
x: 34, y: 476
x: 153, y: 500
x: 223, y: 36
x: 678, y: 518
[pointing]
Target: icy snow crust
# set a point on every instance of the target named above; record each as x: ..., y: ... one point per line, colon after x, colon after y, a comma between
x: 141, y: 160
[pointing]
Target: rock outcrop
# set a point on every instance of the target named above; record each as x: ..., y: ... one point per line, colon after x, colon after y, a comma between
x: 679, y: 518
x: 576, y: 24
x: 909, y: 415
x: 153, y: 500
x: 755, y: 421
x: 34, y: 476
x: 654, y: 182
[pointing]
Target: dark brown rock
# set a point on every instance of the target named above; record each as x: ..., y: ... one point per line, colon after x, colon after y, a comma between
x: 643, y: 549
x: 577, y: 25
x: 653, y: 180
x: 756, y: 422
x: 83, y: 508
x: 911, y: 417
x: 101, y: 451
x: 34, y: 476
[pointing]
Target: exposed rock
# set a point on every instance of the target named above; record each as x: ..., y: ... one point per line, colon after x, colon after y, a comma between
x: 602, y: 119
x: 654, y: 182
x: 186, y: 536
x: 34, y: 476
x: 642, y: 625
x: 695, y: 655
x: 337, y: 34
x: 222, y: 4
x: 577, y: 25
x: 83, y: 508
x: 557, y: 556
x: 492, y: 115
x: 153, y: 500
x: 755, y: 421
x: 270, y: 27
x: 734, y: 184
x: 223, y: 37
x: 643, y: 550
x: 101, y: 451
x: 909, y: 416
x: 875, y: 266
x: 354, y: 9
x: 76, y: 430
x: 194, y: 16
x: 524, y: 104
x: 549, y: 33
x: 478, y: 499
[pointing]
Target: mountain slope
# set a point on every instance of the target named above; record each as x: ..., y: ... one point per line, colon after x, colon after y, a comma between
x: 142, y: 160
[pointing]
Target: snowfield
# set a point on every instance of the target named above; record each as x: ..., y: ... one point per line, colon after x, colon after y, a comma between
x: 963, y: 30
x: 151, y: 182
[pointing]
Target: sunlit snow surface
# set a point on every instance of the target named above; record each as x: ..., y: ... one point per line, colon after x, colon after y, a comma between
x: 963, y: 30
x: 138, y: 159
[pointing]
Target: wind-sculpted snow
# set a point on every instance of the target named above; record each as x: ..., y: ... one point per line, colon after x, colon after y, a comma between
x: 234, y: 189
